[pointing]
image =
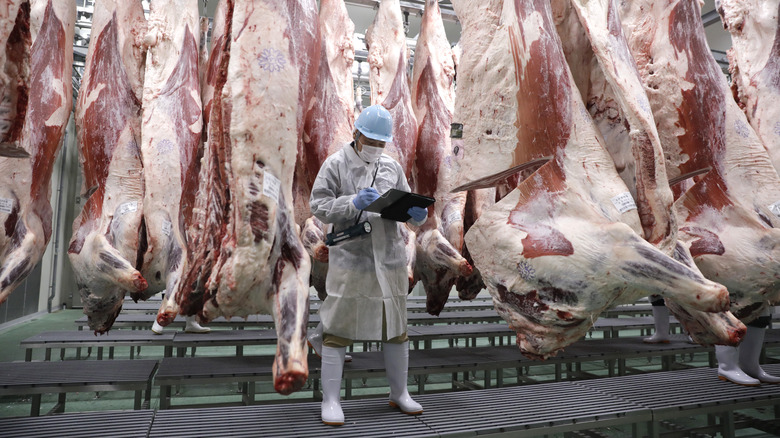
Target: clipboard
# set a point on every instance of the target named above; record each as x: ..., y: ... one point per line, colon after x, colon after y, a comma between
x: 393, y: 204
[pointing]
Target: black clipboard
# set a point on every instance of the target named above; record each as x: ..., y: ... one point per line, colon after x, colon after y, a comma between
x: 393, y: 204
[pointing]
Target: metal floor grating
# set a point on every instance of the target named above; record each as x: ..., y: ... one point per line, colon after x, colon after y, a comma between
x: 74, y: 373
x: 526, y: 411
x: 673, y: 394
x: 530, y: 410
x: 114, y: 424
x: 184, y: 368
x: 364, y: 418
x: 518, y: 411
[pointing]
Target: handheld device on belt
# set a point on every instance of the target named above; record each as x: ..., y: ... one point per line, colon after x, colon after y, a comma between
x: 356, y: 230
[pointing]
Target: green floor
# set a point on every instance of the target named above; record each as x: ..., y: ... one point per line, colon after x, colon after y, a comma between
x: 228, y: 393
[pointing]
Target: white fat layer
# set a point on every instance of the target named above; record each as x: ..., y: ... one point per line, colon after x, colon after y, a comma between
x: 386, y: 44
x: 336, y: 31
x: 486, y: 102
x: 753, y: 27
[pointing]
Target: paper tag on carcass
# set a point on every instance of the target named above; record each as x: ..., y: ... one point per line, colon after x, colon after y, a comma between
x: 6, y: 205
x: 271, y: 186
x: 128, y: 207
x: 453, y: 217
x: 166, y: 228
x: 775, y: 208
x: 624, y: 202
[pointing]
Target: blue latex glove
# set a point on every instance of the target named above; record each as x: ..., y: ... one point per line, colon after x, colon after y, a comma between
x: 365, y: 197
x: 417, y: 213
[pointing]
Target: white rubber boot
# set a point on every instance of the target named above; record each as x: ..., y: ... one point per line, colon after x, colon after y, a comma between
x: 749, y: 353
x: 661, y: 323
x: 192, y: 326
x: 315, y: 342
x: 157, y: 328
x: 332, y: 367
x: 728, y: 367
x: 397, y: 367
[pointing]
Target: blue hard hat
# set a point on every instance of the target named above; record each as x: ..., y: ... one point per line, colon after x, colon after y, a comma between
x: 376, y: 123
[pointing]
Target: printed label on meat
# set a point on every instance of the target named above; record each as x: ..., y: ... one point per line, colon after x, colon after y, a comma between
x: 271, y: 186
x: 527, y: 272
x: 271, y: 60
x: 624, y: 202
x: 166, y: 228
x: 6, y: 205
x: 742, y: 128
x: 453, y: 218
x: 775, y: 208
x: 164, y: 146
x: 128, y: 207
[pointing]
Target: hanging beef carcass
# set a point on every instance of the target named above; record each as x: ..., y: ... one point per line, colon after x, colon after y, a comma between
x: 14, y: 75
x: 25, y: 183
x: 564, y: 245
x: 254, y: 125
x: 209, y: 220
x: 108, y: 234
x: 477, y: 201
x: 606, y: 74
x: 171, y: 134
x: 388, y: 57
x: 440, y: 239
x: 329, y: 123
x: 727, y: 216
x: 754, y: 64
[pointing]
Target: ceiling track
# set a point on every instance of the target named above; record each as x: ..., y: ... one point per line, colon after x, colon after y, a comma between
x: 411, y: 6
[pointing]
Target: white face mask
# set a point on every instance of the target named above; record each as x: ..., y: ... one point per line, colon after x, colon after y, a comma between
x: 370, y: 154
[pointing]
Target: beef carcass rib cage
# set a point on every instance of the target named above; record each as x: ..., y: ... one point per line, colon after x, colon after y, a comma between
x: 107, y: 235
x: 14, y: 75
x: 329, y: 125
x: 388, y: 61
x: 38, y: 60
x: 440, y: 239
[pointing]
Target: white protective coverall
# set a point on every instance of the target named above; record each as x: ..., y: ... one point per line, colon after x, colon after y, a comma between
x: 366, y: 271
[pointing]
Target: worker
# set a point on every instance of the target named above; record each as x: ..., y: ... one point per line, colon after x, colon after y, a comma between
x: 191, y: 325
x: 660, y: 321
x: 367, y: 280
x: 740, y: 364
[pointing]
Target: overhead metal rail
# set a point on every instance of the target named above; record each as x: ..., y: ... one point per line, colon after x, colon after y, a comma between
x: 412, y: 6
